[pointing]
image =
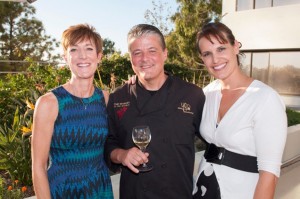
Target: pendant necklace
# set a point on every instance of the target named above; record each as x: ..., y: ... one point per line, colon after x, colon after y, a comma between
x: 85, y: 105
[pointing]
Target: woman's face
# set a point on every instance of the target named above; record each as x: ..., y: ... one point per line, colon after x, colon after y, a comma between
x: 82, y: 59
x: 219, y: 59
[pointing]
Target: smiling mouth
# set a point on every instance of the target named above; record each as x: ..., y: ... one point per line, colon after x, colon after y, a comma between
x: 83, y: 65
x: 219, y: 67
x: 147, y: 66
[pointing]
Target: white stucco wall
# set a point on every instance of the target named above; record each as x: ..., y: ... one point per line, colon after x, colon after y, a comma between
x: 266, y: 28
x: 291, y: 101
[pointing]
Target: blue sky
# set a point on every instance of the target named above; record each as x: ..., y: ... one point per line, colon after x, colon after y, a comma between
x: 111, y: 18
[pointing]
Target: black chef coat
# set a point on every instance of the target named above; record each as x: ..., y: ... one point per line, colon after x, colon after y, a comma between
x: 173, y: 114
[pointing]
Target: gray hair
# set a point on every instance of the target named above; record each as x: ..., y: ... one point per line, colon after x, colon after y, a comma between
x: 144, y: 29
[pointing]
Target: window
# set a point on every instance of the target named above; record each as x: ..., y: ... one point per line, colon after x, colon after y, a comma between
x: 260, y: 66
x: 245, y: 62
x: 244, y: 5
x: 256, y: 4
x: 263, y: 4
x: 284, y: 74
x: 284, y: 2
x: 280, y: 70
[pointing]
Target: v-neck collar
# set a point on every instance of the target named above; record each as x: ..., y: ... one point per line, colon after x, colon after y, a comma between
x: 236, y: 103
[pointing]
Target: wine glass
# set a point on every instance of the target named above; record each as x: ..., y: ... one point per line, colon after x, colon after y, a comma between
x: 141, y: 136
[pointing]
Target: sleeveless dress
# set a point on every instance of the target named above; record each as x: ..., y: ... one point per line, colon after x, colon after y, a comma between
x: 76, y: 164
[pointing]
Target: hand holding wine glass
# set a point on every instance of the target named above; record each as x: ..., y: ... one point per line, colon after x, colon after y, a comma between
x: 141, y: 136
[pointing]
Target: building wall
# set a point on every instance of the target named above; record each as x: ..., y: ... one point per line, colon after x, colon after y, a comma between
x: 265, y: 28
x: 269, y: 29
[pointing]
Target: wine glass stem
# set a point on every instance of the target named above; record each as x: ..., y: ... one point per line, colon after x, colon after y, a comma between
x: 143, y: 149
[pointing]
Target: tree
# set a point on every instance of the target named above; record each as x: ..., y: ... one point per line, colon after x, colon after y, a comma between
x: 159, y: 16
x: 192, y: 15
x: 22, y: 35
x: 109, y: 47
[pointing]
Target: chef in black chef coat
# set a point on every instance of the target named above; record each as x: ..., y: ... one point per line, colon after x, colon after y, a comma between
x: 171, y: 107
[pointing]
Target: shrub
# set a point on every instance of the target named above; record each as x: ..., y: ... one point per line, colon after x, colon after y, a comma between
x: 293, y: 117
x: 38, y: 78
x: 115, y: 70
x: 13, y: 191
x: 15, y: 147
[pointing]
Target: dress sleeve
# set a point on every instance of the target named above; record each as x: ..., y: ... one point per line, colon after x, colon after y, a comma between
x: 270, y: 131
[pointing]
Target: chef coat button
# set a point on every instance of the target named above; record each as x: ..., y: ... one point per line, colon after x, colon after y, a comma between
x: 167, y: 114
x: 164, y: 165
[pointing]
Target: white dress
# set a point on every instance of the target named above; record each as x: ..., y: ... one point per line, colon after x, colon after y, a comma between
x: 255, y: 125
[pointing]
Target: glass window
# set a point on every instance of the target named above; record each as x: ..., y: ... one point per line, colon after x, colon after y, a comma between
x: 263, y: 4
x: 245, y: 62
x: 260, y: 66
x: 284, y: 71
x: 285, y: 2
x: 244, y: 5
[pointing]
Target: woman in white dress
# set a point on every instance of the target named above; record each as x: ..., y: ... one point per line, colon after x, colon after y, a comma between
x: 244, y: 124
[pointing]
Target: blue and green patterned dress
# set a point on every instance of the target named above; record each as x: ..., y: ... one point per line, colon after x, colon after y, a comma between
x: 76, y: 164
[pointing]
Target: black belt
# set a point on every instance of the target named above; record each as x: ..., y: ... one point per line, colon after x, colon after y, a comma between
x: 220, y: 155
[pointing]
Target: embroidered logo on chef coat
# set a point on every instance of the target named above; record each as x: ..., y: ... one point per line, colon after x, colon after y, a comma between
x: 121, y: 108
x: 186, y: 108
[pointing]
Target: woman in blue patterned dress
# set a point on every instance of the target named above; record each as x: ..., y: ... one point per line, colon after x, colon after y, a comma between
x: 70, y: 126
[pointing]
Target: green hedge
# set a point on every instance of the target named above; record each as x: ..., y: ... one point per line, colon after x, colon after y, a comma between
x: 293, y: 117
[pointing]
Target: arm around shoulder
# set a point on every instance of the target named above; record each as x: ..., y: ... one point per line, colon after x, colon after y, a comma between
x: 45, y: 114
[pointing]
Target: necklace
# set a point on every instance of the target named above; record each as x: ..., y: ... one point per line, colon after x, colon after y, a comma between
x: 85, y: 105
